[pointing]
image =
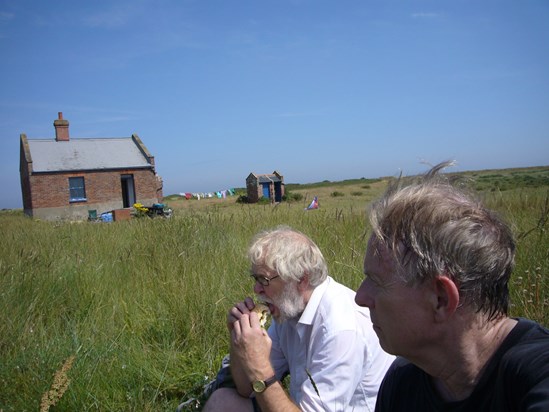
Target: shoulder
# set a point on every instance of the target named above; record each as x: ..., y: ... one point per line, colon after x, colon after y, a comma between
x: 401, y: 369
x: 338, y: 295
x: 401, y: 387
x: 528, y: 354
x: 524, y: 367
x: 338, y: 302
x: 526, y: 341
x: 335, y: 289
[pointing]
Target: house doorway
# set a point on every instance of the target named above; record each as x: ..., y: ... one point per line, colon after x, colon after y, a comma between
x: 128, y: 192
x: 278, y: 192
x: 266, y: 190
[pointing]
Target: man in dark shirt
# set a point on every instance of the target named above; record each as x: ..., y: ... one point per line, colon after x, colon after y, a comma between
x: 437, y: 269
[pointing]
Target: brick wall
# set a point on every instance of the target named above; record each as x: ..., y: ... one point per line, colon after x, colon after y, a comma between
x: 25, y: 167
x: 50, y: 192
x: 253, y: 189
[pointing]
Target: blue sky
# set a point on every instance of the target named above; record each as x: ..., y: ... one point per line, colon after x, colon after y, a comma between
x: 316, y: 89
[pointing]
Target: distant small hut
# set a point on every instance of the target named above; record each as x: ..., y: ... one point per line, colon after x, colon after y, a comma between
x: 269, y: 186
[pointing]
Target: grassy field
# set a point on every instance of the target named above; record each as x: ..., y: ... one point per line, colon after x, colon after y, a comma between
x: 132, y: 313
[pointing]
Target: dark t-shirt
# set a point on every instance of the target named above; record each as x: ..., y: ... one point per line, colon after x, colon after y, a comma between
x: 516, y: 378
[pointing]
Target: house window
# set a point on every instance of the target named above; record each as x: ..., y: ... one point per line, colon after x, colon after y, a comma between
x: 77, y: 190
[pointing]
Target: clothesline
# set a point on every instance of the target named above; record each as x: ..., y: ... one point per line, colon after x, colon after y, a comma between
x: 221, y: 194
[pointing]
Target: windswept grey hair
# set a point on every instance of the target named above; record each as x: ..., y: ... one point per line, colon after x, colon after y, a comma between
x: 444, y: 230
x: 290, y: 254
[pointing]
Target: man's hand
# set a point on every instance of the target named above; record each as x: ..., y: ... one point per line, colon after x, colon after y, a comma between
x: 239, y: 309
x: 250, y: 358
x: 251, y: 345
x: 251, y: 349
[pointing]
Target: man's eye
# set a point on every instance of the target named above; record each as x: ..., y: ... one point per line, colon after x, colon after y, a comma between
x: 370, y: 279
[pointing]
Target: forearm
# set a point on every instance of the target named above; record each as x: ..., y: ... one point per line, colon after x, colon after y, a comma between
x: 239, y: 376
x: 243, y: 385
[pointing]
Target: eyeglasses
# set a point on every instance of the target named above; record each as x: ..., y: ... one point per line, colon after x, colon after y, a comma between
x: 263, y: 281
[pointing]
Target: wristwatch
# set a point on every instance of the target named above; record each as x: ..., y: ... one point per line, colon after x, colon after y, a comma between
x: 260, y: 386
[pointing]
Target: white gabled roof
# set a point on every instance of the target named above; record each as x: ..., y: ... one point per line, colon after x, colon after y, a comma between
x: 86, y: 154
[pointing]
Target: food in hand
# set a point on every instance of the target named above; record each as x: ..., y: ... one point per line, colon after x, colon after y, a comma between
x: 263, y: 312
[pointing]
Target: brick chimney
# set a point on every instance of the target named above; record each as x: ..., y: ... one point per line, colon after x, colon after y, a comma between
x: 61, y: 129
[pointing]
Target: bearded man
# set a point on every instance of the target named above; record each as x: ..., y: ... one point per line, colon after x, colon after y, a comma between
x: 318, y: 335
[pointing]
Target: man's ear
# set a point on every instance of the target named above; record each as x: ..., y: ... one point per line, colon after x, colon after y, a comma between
x: 303, y: 283
x: 446, y: 297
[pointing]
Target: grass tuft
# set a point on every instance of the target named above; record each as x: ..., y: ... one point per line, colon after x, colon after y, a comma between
x: 59, y: 386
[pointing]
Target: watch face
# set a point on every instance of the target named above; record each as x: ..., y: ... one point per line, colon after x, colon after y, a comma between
x: 258, y: 386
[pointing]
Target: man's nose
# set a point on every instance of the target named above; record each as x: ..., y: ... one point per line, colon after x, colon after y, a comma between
x: 363, y: 296
x: 258, y: 288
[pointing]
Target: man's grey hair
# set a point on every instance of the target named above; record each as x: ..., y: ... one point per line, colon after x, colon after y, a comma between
x: 290, y: 254
x: 436, y: 228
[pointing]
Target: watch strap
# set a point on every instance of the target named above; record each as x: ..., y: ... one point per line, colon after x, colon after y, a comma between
x: 262, y: 384
x: 270, y: 381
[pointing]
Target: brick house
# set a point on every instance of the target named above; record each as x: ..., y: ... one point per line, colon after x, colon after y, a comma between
x: 65, y: 178
x: 270, y: 186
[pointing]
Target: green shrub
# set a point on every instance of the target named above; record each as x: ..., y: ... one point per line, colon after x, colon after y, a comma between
x: 292, y: 196
x: 242, y: 199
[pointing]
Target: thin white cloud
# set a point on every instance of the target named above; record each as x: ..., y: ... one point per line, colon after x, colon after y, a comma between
x: 297, y: 114
x: 425, y: 15
x: 490, y: 74
x: 116, y: 17
x: 54, y: 107
x: 5, y: 16
x: 114, y: 119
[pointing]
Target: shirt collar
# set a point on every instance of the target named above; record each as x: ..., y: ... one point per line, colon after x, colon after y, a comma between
x: 310, y: 310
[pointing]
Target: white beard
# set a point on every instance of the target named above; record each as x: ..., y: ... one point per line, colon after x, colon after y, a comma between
x: 290, y: 303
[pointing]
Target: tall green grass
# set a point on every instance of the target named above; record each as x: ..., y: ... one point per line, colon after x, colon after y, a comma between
x: 141, y: 304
